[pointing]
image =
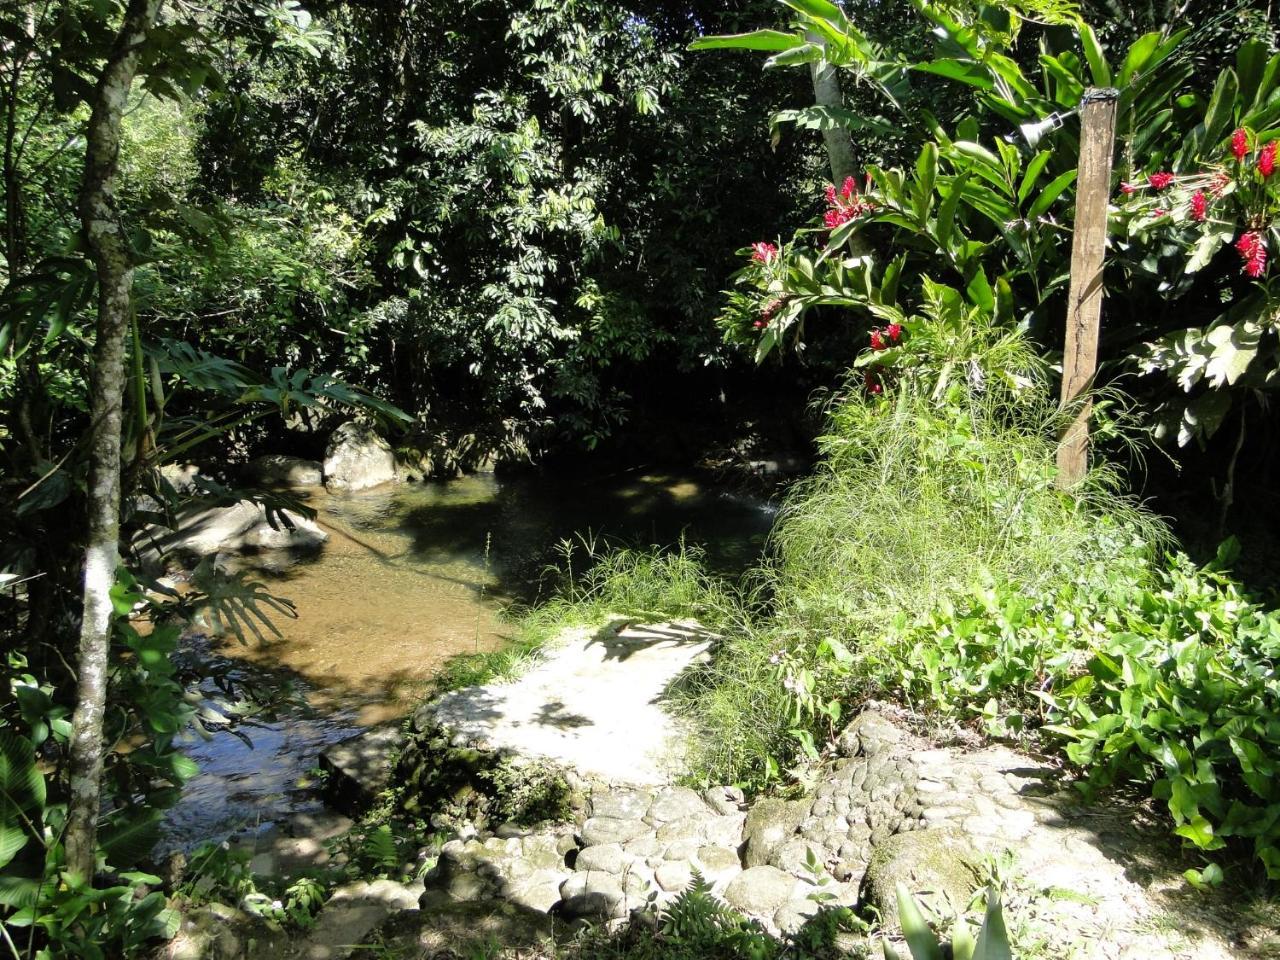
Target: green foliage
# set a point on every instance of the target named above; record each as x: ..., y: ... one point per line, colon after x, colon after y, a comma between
x: 699, y: 923
x: 992, y: 942
x: 1155, y: 674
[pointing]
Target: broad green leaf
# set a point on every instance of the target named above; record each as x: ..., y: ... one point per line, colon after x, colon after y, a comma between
x: 924, y: 945
x: 1208, y: 244
x: 965, y: 72
x: 1050, y: 193
x: 1099, y: 69
x: 1032, y: 174
x: 820, y: 10
x: 1140, y: 54
x: 806, y: 53
x: 947, y: 211
x: 993, y: 938
x: 755, y: 40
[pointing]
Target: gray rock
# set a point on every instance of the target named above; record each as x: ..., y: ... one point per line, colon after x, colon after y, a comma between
x: 605, y: 856
x: 350, y: 913
x: 593, y: 895
x: 359, y: 767
x: 599, y: 830
x: 870, y: 734
x: 202, y: 531
x: 760, y: 891
x: 685, y: 849
x: 674, y: 875
x: 695, y: 826
x: 793, y: 857
x: 216, y: 931
x: 357, y: 458
x: 675, y: 803
x: 769, y: 824
x: 621, y: 803
x: 939, y: 865
x: 725, y: 800
x: 280, y: 470
x: 793, y: 914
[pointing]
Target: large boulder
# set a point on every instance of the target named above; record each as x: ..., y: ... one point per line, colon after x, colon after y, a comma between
x: 357, y: 458
x: 241, y: 527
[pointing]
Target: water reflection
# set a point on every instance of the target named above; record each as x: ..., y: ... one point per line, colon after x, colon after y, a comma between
x: 412, y: 575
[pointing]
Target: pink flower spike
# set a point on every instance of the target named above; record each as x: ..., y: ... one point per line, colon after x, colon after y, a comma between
x: 1160, y: 180
x: 1239, y: 143
x: 848, y: 189
x: 1199, y: 206
x: 1267, y: 159
x: 763, y: 252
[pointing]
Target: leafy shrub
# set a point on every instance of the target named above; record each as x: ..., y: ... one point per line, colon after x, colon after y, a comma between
x: 1157, y: 674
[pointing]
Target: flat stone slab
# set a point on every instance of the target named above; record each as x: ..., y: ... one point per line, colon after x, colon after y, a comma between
x: 593, y: 704
x: 359, y: 767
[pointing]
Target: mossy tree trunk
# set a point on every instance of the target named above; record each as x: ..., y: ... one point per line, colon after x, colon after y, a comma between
x: 109, y: 250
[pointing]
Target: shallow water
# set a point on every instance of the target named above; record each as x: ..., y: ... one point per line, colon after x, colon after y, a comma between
x: 411, y: 576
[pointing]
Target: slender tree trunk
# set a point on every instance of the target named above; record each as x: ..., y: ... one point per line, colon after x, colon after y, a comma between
x: 110, y: 252
x: 827, y: 93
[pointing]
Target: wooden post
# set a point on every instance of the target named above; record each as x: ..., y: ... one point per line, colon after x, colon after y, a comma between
x: 1084, y: 303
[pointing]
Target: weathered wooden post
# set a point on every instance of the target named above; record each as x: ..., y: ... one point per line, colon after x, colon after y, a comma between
x: 1084, y: 304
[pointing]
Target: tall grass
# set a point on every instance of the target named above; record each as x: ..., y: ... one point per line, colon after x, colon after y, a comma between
x: 916, y: 500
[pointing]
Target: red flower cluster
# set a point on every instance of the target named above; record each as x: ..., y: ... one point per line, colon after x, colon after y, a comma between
x: 1199, y: 205
x: 1267, y: 159
x: 1160, y: 180
x: 1253, y: 250
x: 872, y: 384
x: 883, y: 339
x: 763, y: 252
x: 843, y: 205
x: 1239, y: 143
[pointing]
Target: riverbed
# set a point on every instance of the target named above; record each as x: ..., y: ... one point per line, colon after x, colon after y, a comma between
x: 411, y: 575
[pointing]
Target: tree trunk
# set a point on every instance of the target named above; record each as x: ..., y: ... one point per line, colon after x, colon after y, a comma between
x: 110, y: 253
x: 827, y: 93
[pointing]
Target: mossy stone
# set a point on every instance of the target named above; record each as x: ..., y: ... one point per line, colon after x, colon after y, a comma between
x: 940, y: 868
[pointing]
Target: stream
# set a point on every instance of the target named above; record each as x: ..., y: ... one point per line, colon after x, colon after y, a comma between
x: 413, y: 574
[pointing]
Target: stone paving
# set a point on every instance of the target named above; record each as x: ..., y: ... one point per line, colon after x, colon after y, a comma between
x: 889, y: 808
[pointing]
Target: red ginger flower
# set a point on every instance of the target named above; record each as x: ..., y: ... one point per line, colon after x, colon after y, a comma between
x: 1199, y: 206
x: 877, y: 340
x: 1220, y: 183
x: 848, y: 189
x: 1267, y: 159
x: 1160, y: 180
x: 872, y: 383
x: 1253, y: 249
x: 837, y: 217
x: 894, y: 330
x: 1239, y: 143
x: 763, y: 252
